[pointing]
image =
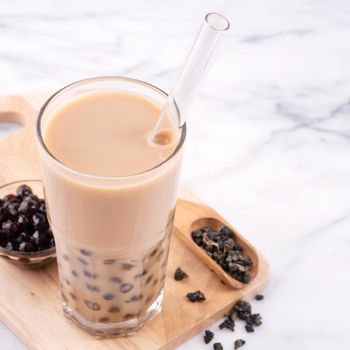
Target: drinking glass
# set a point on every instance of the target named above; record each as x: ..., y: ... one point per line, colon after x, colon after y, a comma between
x: 112, y: 233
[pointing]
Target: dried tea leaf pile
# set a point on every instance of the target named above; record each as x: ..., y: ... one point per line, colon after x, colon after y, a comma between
x: 242, y: 310
x: 222, y: 246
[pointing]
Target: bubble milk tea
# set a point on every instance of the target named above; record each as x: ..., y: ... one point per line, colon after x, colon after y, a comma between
x: 111, y: 197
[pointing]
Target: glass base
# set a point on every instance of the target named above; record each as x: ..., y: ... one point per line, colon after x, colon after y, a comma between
x: 118, y: 329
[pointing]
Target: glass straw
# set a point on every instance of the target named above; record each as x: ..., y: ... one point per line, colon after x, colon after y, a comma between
x: 201, y: 55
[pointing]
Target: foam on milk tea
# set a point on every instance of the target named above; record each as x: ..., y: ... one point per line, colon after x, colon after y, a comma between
x: 112, y: 238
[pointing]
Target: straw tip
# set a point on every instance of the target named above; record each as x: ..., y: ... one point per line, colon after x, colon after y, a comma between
x: 217, y: 21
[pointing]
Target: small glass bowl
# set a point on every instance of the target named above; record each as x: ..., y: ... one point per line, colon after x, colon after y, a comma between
x: 29, y: 260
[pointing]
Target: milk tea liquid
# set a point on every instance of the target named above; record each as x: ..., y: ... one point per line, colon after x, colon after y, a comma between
x: 112, y: 235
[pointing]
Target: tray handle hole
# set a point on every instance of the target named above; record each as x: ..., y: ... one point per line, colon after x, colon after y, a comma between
x: 10, y: 123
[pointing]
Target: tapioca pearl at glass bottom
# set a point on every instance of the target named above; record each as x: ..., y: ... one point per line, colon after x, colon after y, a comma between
x: 89, y: 274
x: 129, y: 316
x: 127, y: 266
x: 155, y: 282
x: 92, y: 305
x: 92, y: 288
x: 109, y: 261
x: 109, y: 296
x: 134, y: 299
x: 126, y: 287
x: 82, y: 260
x: 73, y: 296
x: 64, y: 298
x: 149, y: 279
x: 114, y: 309
x: 86, y: 252
x: 116, y: 279
x: 149, y: 298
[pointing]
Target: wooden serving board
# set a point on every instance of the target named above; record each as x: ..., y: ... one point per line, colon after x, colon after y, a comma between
x: 30, y: 299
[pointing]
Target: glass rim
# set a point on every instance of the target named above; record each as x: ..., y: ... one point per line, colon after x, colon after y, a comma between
x: 38, y: 254
x: 16, y: 182
x: 43, y: 146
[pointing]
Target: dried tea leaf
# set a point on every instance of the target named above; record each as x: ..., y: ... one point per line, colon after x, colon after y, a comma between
x: 249, y: 328
x: 196, y: 296
x: 255, y: 319
x: 218, y: 346
x: 179, y: 274
x: 238, y: 343
x: 208, y: 336
x: 228, y: 325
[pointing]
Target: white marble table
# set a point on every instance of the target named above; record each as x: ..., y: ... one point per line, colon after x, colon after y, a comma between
x: 269, y: 135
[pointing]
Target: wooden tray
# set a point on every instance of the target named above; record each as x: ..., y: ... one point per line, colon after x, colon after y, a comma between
x: 30, y: 299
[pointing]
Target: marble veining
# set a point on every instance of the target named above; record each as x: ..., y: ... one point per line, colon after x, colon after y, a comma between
x: 269, y: 134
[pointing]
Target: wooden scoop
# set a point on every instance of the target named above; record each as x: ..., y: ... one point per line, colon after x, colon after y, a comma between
x: 194, y: 216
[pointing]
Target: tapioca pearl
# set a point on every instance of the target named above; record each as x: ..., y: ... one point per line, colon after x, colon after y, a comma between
x: 155, y: 282
x: 85, y: 252
x: 149, y: 279
x: 109, y: 296
x: 82, y: 260
x: 67, y: 282
x: 114, y: 309
x: 116, y: 279
x: 136, y: 298
x: 89, y: 274
x: 109, y: 261
x: 92, y: 288
x: 92, y: 305
x: 127, y: 266
x: 64, y: 298
x: 73, y: 296
x: 149, y: 298
x: 126, y: 287
x: 153, y: 252
x: 159, y: 256
x: 75, y: 274
x: 129, y: 316
x: 103, y: 319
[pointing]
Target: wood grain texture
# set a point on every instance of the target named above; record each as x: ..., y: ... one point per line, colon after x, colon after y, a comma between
x: 36, y: 315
